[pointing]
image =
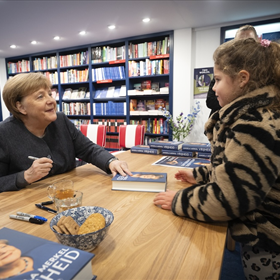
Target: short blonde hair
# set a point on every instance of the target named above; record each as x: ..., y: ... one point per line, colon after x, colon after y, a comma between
x: 20, y: 86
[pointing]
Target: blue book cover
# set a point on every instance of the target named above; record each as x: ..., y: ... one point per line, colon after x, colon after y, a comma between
x: 173, y: 161
x: 203, y: 155
x: 167, y: 145
x: 179, y: 153
x: 140, y: 181
x: 197, y: 147
x: 44, y: 259
x: 144, y: 149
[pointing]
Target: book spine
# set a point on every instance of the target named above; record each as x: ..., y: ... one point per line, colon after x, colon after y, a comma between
x: 145, y: 151
x: 177, y: 153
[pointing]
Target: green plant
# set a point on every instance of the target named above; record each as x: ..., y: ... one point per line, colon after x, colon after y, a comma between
x: 181, y: 125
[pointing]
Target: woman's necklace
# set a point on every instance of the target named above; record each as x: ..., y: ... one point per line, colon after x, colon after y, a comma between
x: 26, y: 265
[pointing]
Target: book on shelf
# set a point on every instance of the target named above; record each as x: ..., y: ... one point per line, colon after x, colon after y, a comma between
x: 197, y: 147
x: 46, y: 259
x: 167, y: 145
x: 174, y: 161
x: 140, y: 181
x: 144, y: 149
x: 179, y: 153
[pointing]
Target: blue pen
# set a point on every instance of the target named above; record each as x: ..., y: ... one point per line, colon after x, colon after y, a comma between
x: 32, y: 216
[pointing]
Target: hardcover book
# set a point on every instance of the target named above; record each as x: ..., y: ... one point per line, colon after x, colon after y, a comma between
x: 43, y: 259
x: 197, y: 147
x: 179, y: 153
x: 144, y: 149
x: 167, y: 145
x: 141, y: 182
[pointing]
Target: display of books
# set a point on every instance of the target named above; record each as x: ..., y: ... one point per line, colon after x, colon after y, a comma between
x: 172, y: 161
x: 167, y: 145
x: 45, y: 259
x: 140, y: 181
x: 179, y: 153
x: 197, y: 147
x: 144, y: 149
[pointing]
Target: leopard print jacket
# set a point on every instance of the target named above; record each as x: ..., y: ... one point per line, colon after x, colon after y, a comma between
x: 242, y: 183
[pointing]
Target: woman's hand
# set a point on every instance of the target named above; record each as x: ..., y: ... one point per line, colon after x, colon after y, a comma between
x: 40, y: 168
x: 118, y: 166
x: 185, y: 176
x: 164, y: 199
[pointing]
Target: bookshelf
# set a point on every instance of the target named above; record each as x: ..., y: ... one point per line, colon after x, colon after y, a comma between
x: 96, y: 83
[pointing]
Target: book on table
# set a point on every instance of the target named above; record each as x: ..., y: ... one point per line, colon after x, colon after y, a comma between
x: 140, y: 181
x: 144, y: 149
x: 167, y: 145
x: 44, y: 259
x: 196, y: 147
x: 178, y: 153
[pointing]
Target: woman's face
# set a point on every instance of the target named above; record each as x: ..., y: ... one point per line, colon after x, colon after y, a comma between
x: 39, y: 107
x: 8, y: 254
x: 226, y: 88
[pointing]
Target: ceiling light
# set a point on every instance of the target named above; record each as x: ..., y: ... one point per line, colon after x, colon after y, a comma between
x: 111, y: 26
x: 82, y: 33
x: 13, y: 46
x: 33, y: 42
x: 56, y: 38
x: 146, y: 20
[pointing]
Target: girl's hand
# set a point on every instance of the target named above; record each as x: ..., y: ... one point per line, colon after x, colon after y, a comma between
x: 164, y: 199
x: 185, y: 176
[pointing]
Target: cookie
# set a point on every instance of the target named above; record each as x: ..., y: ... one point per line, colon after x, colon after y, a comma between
x: 57, y: 229
x: 93, y: 223
x: 71, y: 225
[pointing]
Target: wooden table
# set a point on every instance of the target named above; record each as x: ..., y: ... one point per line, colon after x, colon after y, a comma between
x: 144, y: 242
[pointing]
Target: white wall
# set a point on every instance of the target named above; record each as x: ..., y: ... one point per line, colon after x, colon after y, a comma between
x: 192, y: 49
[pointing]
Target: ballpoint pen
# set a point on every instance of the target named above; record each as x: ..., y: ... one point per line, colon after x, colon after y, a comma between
x: 31, y: 216
x: 27, y: 219
x: 45, y: 208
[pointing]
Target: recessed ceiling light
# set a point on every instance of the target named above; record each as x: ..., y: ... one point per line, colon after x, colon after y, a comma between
x: 111, y: 26
x: 33, y: 42
x: 56, y: 37
x: 13, y: 46
x: 146, y: 20
x: 82, y: 33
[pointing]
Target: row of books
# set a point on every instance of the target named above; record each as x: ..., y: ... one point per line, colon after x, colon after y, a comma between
x: 52, y: 76
x: 153, y: 125
x: 76, y: 108
x: 74, y: 76
x: 149, y: 48
x: 43, y: 63
x: 148, y: 67
x: 107, y: 53
x: 80, y: 93
x: 175, y: 148
x: 18, y: 67
x: 112, y: 125
x: 150, y: 104
x: 111, y: 92
x: 109, y: 108
x: 108, y: 73
x: 78, y: 122
x: 81, y: 58
x: 112, y: 142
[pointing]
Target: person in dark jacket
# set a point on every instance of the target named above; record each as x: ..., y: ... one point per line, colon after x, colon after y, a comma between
x: 36, y: 129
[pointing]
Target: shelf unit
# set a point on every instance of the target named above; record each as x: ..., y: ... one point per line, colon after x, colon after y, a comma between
x: 84, y: 66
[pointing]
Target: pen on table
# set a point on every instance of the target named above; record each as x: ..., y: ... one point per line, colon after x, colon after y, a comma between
x: 31, y: 216
x: 27, y: 219
x: 47, y: 202
x: 45, y: 208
